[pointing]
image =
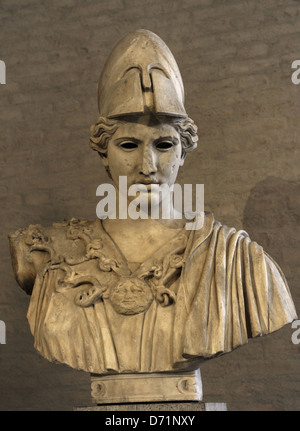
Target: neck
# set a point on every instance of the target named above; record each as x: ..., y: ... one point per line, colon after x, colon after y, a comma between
x: 144, y: 223
x: 141, y: 238
x: 142, y: 212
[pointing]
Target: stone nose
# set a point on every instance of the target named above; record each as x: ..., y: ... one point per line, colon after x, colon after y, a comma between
x: 148, y: 161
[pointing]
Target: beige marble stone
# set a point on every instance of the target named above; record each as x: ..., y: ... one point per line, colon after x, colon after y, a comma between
x: 151, y: 387
x: 130, y: 297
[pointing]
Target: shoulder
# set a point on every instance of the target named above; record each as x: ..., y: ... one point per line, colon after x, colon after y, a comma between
x: 38, y: 234
x: 210, y: 229
x: 35, y: 246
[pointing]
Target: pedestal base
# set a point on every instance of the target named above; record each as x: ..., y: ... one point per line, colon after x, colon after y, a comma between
x: 144, y: 388
x: 149, y: 392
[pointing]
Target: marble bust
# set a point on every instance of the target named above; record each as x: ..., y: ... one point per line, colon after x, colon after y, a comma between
x: 121, y: 297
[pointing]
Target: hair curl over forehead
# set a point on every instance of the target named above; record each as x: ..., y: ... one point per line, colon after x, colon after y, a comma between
x: 102, y: 131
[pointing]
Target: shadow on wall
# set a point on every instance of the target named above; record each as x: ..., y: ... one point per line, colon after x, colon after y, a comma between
x: 272, y: 218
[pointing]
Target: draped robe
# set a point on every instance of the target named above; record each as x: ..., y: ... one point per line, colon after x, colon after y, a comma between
x: 202, y: 294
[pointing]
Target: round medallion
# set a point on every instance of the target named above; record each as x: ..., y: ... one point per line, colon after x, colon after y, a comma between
x: 131, y: 296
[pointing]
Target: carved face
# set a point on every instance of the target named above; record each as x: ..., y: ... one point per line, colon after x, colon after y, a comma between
x: 131, y: 296
x: 146, y: 151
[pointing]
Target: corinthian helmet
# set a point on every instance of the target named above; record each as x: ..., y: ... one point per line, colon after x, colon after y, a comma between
x: 141, y: 75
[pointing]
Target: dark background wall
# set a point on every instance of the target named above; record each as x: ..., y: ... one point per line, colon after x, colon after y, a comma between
x: 235, y: 57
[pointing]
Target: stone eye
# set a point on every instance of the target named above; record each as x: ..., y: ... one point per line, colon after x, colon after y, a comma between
x: 137, y: 289
x: 164, y: 145
x: 128, y: 145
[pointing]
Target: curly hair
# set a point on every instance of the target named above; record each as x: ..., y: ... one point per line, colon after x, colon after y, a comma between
x: 102, y: 131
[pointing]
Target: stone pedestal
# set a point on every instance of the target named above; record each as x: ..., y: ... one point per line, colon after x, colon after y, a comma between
x: 141, y: 388
x: 149, y: 392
